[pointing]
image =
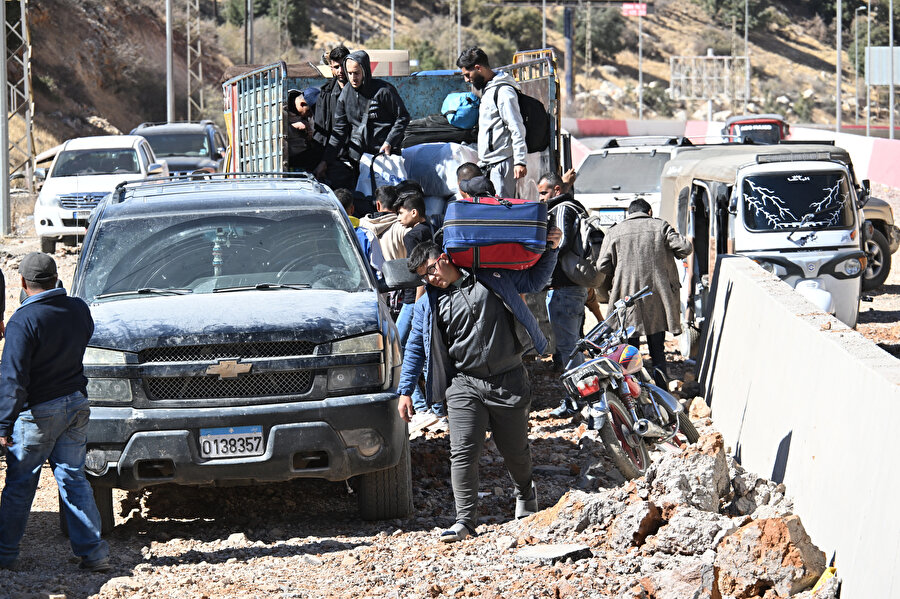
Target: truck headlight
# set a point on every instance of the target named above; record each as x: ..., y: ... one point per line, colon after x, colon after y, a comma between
x: 359, y: 345
x: 776, y: 269
x: 851, y: 266
x: 109, y: 390
x: 94, y: 356
x: 48, y: 199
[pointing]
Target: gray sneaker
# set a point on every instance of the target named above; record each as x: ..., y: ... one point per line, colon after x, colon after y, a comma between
x: 457, y: 532
x: 527, y: 507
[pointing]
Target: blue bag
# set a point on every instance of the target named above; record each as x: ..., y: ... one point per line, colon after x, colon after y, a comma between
x: 461, y: 109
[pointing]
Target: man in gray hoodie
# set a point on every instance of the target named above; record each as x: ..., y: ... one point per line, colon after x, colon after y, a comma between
x: 501, y: 134
x: 370, y: 116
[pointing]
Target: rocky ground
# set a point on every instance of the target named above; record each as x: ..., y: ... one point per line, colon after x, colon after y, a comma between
x: 696, y: 525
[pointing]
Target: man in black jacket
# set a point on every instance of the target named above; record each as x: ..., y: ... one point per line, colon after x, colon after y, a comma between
x: 565, y: 300
x: 324, y: 115
x: 44, y: 412
x: 370, y: 116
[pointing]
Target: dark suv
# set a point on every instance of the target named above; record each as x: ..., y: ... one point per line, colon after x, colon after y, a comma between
x: 187, y: 148
x: 240, y: 337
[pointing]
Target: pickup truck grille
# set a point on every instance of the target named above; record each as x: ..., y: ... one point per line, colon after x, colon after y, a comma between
x: 247, y: 386
x: 80, y: 201
x: 199, y: 353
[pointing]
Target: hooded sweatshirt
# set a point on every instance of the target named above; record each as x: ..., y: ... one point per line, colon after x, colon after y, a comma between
x: 390, y: 233
x: 366, y: 117
x: 501, y: 134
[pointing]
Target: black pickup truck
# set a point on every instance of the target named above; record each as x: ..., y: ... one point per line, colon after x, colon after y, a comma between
x: 240, y: 338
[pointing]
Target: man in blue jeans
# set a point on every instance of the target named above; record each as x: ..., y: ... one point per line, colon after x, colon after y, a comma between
x: 44, y: 412
x: 565, y: 300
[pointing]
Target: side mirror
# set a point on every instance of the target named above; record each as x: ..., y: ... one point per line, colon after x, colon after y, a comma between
x: 220, y: 154
x: 865, y: 191
x: 397, y: 276
x: 732, y: 205
x: 156, y: 169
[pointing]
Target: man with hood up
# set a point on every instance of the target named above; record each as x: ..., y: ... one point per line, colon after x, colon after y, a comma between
x: 370, y: 117
x: 501, y: 133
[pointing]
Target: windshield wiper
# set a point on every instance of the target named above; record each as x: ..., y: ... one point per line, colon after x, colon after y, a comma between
x: 147, y: 291
x: 262, y: 286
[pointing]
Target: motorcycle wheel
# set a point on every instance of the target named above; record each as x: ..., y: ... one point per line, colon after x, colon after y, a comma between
x: 628, y: 451
x: 686, y: 428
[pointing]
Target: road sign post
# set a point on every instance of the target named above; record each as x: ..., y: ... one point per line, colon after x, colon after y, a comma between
x: 639, y: 10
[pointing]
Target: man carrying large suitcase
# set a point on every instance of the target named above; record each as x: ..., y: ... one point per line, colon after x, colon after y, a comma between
x: 465, y: 335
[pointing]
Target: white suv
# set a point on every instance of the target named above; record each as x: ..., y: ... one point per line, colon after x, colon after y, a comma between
x: 83, y: 172
x: 623, y: 170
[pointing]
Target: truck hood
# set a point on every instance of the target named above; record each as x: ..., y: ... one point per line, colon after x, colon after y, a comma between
x: 54, y: 186
x: 240, y: 316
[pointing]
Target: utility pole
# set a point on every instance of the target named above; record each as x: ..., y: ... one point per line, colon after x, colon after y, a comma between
x: 392, y: 24
x: 194, y: 61
x: 19, y: 98
x: 640, y: 68
x: 588, y: 41
x: 569, y: 31
x: 746, y: 53
x: 5, y: 212
x: 868, y: 45
x: 856, y: 54
x: 458, y: 29
x: 544, y: 23
x: 248, y: 32
x: 839, y: 26
x: 170, y: 66
x: 891, y: 38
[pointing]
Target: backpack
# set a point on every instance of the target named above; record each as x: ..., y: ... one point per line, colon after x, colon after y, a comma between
x: 534, y: 117
x: 581, y: 261
x: 461, y: 109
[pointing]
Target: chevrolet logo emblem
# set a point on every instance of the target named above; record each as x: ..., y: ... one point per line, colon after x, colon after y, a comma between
x: 229, y: 369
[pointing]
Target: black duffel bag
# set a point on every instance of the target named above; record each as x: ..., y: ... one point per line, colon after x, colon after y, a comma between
x: 436, y: 128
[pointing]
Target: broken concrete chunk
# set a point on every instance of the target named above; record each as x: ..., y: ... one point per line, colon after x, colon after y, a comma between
x: 768, y: 554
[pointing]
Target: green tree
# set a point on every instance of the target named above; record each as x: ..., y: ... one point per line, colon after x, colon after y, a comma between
x: 297, y: 19
x: 236, y: 9
x: 609, y: 35
x: 722, y: 11
x: 521, y: 26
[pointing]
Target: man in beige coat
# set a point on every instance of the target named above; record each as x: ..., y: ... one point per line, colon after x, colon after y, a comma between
x: 639, y: 251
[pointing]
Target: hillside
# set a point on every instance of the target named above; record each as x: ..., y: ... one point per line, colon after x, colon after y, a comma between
x: 108, y: 74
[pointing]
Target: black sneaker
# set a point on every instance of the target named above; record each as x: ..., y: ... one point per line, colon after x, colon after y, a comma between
x: 564, y: 410
x: 98, y: 565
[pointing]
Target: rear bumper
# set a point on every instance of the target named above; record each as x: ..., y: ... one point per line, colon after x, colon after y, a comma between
x: 332, y: 439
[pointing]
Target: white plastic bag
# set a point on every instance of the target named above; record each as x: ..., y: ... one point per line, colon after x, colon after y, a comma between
x: 434, y: 165
x: 385, y: 169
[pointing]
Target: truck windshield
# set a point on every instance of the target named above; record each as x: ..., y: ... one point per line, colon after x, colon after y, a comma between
x: 166, y: 145
x: 792, y: 201
x: 761, y: 133
x: 72, y: 163
x: 204, y: 253
x: 621, y: 173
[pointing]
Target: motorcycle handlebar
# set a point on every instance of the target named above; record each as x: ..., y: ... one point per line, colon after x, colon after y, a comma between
x: 643, y: 292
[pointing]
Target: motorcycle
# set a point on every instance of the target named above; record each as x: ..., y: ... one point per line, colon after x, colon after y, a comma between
x: 622, y: 403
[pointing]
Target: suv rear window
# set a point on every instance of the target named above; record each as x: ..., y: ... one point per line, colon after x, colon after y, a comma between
x: 634, y: 172
x: 791, y: 201
x: 178, y: 144
x: 206, y: 253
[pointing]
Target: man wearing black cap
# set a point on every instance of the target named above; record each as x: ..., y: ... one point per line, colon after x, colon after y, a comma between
x: 304, y: 152
x: 44, y: 412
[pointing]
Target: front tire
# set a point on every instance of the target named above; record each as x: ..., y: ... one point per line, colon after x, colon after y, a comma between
x: 48, y: 245
x: 103, y: 497
x: 689, y: 341
x: 387, y: 493
x: 627, y: 450
x: 878, y: 267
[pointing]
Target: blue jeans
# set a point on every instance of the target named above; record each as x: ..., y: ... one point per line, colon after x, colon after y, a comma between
x: 404, y: 326
x: 53, y: 431
x: 565, y: 306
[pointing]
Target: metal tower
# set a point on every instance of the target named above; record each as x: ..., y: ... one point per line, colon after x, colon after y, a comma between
x: 195, y: 103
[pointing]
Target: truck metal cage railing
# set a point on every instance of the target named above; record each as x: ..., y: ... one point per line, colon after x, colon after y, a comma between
x: 256, y: 100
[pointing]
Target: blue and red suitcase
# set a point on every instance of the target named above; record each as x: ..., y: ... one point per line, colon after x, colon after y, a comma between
x: 490, y: 232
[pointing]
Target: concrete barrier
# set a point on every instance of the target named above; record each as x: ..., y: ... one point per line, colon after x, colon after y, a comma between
x: 803, y: 399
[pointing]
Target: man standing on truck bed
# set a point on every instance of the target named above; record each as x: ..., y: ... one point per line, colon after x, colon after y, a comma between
x: 324, y: 116
x: 370, y: 117
x: 501, y: 133
x: 465, y: 336
x: 44, y: 412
